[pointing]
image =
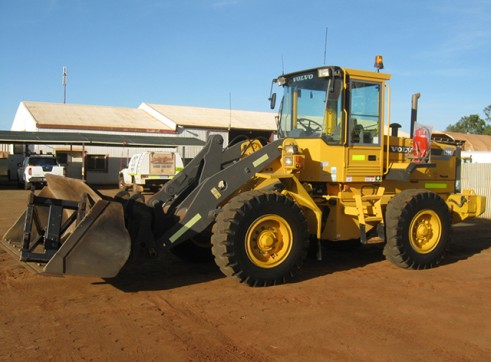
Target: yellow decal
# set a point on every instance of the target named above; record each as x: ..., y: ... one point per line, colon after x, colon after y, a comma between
x: 216, y: 193
x: 435, y: 186
x: 185, y: 228
x: 358, y: 157
x: 260, y: 160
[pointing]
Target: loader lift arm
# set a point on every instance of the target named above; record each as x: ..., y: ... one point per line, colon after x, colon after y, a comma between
x: 188, y: 204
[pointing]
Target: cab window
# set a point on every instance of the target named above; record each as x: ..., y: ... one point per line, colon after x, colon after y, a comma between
x: 364, y: 120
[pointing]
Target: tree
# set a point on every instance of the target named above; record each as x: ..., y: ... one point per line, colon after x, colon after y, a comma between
x: 473, y: 124
x: 487, y: 112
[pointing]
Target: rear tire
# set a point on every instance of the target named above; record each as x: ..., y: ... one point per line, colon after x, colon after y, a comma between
x: 417, y: 229
x: 260, y: 238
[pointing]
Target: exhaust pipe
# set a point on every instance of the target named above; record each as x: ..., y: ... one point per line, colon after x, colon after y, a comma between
x: 414, y: 112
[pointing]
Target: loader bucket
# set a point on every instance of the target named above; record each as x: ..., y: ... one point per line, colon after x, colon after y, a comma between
x: 70, y: 229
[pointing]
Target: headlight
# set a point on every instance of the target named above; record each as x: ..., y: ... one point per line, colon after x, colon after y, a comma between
x: 288, y: 161
x: 323, y: 72
x: 291, y: 149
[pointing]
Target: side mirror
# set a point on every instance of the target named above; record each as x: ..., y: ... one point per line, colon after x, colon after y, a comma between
x: 272, y: 100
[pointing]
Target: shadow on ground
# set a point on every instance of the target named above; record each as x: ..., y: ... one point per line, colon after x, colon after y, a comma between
x: 168, y: 272
x: 469, y: 238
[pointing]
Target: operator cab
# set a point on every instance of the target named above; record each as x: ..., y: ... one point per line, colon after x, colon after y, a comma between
x: 336, y: 116
x: 317, y: 103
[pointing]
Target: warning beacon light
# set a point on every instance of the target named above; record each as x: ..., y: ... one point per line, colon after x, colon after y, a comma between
x: 379, y: 63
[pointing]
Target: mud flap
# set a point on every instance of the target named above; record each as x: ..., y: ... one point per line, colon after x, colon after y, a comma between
x: 70, y: 229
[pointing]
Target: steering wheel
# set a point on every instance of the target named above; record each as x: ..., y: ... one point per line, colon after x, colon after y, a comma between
x: 306, y: 123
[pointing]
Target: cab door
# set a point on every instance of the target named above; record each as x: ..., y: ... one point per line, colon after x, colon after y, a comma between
x: 364, y: 156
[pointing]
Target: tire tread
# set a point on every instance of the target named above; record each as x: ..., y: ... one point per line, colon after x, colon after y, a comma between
x: 397, y: 248
x: 225, y: 230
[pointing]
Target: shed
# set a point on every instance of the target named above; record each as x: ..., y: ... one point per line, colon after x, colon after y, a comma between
x: 149, y: 119
x: 476, y: 148
x: 201, y: 122
x: 37, y: 116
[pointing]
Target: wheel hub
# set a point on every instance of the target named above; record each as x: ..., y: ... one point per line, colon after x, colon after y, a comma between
x: 266, y: 241
x: 425, y: 231
x: 269, y: 241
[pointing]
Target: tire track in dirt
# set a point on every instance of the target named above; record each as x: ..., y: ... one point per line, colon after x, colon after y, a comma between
x: 200, y: 334
x: 350, y: 306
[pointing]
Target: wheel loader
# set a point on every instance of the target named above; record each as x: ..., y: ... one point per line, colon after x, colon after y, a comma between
x: 336, y: 171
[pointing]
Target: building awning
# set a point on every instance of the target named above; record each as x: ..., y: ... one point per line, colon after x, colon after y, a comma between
x: 95, y: 139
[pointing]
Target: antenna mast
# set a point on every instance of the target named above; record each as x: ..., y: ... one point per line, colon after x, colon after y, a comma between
x: 63, y: 81
x: 325, y: 46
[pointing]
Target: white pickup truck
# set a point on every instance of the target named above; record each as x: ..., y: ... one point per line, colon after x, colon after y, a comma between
x: 150, y: 170
x: 32, y: 170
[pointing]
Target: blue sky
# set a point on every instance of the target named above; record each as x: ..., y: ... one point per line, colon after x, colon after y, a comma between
x: 198, y: 52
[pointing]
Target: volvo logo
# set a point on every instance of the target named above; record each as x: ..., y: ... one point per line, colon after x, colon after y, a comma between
x: 401, y: 149
x: 300, y: 78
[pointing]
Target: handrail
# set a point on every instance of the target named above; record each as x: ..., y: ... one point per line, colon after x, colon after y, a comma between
x: 388, y: 127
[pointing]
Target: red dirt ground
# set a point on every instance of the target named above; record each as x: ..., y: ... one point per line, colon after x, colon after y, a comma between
x: 350, y: 306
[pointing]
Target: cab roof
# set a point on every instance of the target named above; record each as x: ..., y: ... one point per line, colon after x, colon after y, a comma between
x: 351, y: 72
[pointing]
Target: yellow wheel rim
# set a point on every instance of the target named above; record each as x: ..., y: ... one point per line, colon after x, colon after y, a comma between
x: 269, y: 241
x: 425, y: 231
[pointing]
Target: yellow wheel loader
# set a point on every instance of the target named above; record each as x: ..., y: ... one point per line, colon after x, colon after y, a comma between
x: 338, y: 171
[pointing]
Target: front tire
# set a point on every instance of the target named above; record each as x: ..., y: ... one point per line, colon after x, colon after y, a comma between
x: 417, y: 229
x: 260, y: 238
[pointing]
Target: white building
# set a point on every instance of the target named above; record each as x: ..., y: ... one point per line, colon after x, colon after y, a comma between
x: 102, y: 163
x: 201, y: 122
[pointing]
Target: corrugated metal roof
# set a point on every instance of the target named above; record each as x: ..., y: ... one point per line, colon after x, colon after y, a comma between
x: 76, y: 116
x: 99, y: 139
x: 473, y: 142
x: 216, y: 118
